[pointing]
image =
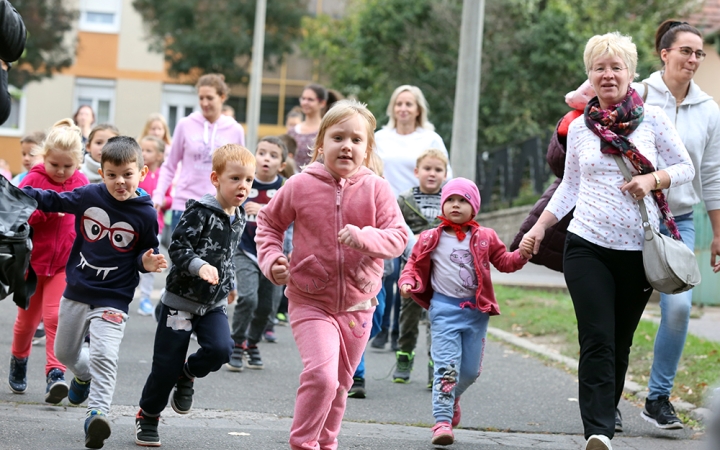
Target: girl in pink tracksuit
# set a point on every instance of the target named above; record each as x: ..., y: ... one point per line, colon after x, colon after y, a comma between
x: 347, y: 221
x: 449, y: 275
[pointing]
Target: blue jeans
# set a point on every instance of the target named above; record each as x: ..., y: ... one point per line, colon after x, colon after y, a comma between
x: 458, y: 344
x: 392, y: 293
x: 376, y: 325
x: 674, y: 320
x: 175, y: 219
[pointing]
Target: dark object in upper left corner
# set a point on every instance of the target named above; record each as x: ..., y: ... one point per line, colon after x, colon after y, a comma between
x: 12, y: 44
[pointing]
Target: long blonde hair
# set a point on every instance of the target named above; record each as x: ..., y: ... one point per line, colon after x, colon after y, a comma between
x: 64, y: 136
x: 342, y: 110
x: 422, y: 119
x: 157, y: 117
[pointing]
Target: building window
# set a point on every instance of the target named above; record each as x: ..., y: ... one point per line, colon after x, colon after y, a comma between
x: 100, y: 16
x: 15, y: 123
x: 178, y: 101
x: 99, y: 95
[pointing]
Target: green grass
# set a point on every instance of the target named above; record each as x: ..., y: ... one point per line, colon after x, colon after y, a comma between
x: 549, y: 316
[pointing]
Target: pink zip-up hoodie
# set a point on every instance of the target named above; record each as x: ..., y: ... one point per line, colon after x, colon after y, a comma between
x: 194, y: 141
x: 324, y: 272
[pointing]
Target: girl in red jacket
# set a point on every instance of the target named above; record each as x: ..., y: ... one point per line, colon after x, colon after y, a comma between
x: 53, y: 236
x: 450, y: 276
x: 347, y: 221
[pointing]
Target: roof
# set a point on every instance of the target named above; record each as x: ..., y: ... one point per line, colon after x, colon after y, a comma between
x: 707, y: 19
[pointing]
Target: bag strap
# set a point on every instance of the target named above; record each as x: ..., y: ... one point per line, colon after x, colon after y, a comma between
x: 641, y: 202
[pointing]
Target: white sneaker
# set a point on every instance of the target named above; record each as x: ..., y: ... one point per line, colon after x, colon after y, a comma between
x: 598, y: 442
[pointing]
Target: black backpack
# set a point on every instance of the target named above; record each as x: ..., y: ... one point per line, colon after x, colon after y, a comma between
x: 16, y: 244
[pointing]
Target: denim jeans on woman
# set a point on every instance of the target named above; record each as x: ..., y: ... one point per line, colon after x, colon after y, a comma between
x: 675, y: 317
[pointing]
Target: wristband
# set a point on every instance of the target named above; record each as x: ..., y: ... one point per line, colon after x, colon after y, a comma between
x: 657, y: 180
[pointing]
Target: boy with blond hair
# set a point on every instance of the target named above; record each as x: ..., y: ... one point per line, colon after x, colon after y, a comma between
x: 420, y: 207
x: 197, y: 292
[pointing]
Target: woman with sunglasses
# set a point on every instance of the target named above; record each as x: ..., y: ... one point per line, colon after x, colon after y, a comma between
x: 697, y: 120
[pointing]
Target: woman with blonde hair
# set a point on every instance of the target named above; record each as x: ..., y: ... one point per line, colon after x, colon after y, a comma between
x: 603, y: 263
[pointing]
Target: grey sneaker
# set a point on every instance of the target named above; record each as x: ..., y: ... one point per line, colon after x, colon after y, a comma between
x: 403, y: 366
x: 254, y: 361
x: 236, y: 359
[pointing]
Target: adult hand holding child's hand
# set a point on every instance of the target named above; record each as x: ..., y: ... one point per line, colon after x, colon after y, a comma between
x: 153, y: 262
x: 281, y: 270
x: 209, y: 273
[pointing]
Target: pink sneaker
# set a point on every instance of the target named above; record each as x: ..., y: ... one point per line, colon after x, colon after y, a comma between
x: 456, y: 412
x: 442, y: 434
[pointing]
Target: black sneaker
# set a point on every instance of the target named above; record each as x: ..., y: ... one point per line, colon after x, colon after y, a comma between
x: 18, y: 375
x: 618, y: 421
x: 403, y: 366
x: 254, y: 361
x: 79, y: 391
x: 182, y: 398
x: 358, y: 388
x: 236, y: 359
x: 56, y: 389
x: 380, y: 340
x: 146, y: 430
x: 661, y: 413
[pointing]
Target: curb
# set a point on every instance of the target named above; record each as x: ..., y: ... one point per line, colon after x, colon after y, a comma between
x: 631, y: 387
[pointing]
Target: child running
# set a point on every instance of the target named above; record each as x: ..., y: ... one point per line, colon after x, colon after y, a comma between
x: 420, y: 207
x: 153, y: 149
x: 116, y: 236
x: 196, y: 292
x: 53, y: 236
x: 450, y: 276
x: 257, y: 296
x: 30, y: 155
x: 346, y: 222
x: 96, y: 141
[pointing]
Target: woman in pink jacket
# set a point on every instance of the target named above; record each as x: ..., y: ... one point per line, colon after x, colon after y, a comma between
x: 53, y: 236
x: 347, y: 222
x: 450, y: 276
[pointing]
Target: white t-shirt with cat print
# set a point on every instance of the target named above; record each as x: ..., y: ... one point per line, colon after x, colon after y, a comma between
x: 453, y: 273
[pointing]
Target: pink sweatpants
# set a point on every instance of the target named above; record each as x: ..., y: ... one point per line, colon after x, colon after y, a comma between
x: 44, y: 304
x: 331, y: 346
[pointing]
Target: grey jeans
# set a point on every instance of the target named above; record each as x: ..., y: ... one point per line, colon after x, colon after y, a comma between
x: 98, y: 361
x: 257, y: 299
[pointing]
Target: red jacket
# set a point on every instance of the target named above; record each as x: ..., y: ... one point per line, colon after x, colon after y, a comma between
x: 53, y: 235
x: 485, y: 246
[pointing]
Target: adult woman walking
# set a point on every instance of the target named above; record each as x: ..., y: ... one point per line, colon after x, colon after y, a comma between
x: 313, y: 101
x: 603, y: 251
x: 196, y: 137
x: 399, y: 144
x: 697, y: 119
x: 84, y: 118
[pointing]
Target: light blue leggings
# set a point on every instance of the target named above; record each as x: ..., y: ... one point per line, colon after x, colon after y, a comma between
x: 675, y: 317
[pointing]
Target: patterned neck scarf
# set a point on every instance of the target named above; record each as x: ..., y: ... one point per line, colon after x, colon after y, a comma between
x: 613, y: 126
x: 458, y: 227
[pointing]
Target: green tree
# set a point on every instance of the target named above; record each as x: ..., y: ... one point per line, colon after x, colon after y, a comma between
x: 216, y: 35
x: 532, y: 55
x: 47, y: 49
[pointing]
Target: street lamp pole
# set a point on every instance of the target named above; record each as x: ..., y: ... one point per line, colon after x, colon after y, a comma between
x: 463, y: 151
x: 255, y: 85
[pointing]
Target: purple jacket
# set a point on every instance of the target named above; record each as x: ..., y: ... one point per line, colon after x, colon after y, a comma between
x: 550, y: 254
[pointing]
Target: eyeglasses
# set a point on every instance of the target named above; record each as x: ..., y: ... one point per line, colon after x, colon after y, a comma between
x: 687, y: 52
x: 601, y: 70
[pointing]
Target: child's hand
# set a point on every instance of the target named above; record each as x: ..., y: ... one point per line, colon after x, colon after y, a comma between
x: 281, y: 270
x: 209, y: 273
x: 154, y: 262
x: 405, y: 290
x: 347, y: 236
x: 526, y: 247
x: 252, y: 208
x: 232, y: 296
